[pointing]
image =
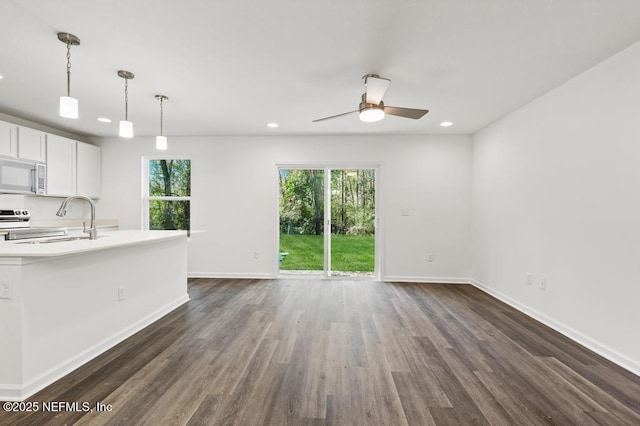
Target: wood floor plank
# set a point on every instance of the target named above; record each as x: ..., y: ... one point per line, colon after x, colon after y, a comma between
x: 233, y: 407
x: 488, y: 405
x: 326, y: 352
x: 512, y: 404
x: 385, y: 396
x: 207, y: 410
x: 421, y: 355
x: 389, y: 334
x: 417, y: 323
x: 610, y: 404
x: 416, y: 409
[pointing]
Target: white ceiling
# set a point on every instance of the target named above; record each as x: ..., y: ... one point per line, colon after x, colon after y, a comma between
x: 230, y: 67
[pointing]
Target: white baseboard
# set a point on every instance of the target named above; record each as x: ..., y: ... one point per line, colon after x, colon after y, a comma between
x: 11, y: 393
x: 427, y: 280
x: 20, y: 393
x: 572, y: 334
x: 237, y: 275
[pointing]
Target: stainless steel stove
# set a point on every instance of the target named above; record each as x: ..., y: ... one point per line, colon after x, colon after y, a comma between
x: 14, y: 224
x: 14, y: 218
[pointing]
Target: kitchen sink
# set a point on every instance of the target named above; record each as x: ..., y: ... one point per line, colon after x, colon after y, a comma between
x: 56, y: 240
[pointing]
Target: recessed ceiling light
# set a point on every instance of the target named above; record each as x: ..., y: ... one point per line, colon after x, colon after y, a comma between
x: 446, y: 124
x: 1, y: 77
x: 272, y: 125
x: 104, y: 120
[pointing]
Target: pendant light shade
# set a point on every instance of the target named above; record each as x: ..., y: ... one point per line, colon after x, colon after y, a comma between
x: 126, y: 126
x: 126, y: 129
x: 161, y: 141
x: 68, y: 105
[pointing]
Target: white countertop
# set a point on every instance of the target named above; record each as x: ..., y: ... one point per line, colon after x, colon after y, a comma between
x: 106, y: 240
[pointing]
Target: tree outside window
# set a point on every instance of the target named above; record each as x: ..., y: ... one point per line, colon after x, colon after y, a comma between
x: 169, y: 194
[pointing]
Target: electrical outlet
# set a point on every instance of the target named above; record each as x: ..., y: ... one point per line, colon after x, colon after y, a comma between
x: 255, y: 255
x: 120, y: 294
x: 529, y: 279
x: 430, y: 257
x: 543, y: 283
x: 5, y: 290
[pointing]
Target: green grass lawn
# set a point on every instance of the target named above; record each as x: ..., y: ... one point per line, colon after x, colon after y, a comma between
x: 349, y: 253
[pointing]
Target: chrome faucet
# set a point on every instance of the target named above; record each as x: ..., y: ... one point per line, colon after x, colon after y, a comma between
x: 92, y: 231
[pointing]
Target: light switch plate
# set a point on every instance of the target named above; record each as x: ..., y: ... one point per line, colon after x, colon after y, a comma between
x: 5, y: 290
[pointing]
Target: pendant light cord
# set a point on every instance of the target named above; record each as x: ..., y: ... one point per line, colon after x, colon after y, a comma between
x: 126, y: 99
x: 68, y: 67
x: 161, y: 115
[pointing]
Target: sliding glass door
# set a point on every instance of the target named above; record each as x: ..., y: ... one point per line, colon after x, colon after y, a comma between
x: 301, y: 221
x: 327, y: 221
x: 353, y: 213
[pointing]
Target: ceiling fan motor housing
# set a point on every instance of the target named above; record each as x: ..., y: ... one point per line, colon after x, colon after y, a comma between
x: 366, y: 105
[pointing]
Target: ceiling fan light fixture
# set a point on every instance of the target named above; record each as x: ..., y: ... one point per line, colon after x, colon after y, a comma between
x: 68, y: 105
x: 372, y: 109
x: 371, y: 114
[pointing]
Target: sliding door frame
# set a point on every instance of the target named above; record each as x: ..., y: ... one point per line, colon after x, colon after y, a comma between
x: 328, y: 167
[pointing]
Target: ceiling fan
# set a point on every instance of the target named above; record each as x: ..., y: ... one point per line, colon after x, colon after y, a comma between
x: 372, y: 108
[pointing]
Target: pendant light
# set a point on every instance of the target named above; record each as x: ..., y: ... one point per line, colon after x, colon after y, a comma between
x: 161, y: 141
x: 68, y: 105
x: 126, y: 127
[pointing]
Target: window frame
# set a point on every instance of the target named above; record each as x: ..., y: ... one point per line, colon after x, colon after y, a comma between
x: 146, y: 197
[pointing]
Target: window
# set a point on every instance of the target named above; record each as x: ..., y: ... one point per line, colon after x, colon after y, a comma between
x: 169, y: 194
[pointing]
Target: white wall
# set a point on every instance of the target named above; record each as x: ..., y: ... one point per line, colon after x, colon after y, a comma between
x: 234, y: 190
x: 555, y: 193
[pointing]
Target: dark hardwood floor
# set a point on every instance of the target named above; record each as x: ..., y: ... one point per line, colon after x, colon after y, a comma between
x: 250, y: 352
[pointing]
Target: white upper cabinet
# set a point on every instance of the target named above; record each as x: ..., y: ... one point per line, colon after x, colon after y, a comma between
x: 61, y: 166
x: 8, y: 139
x: 31, y: 144
x: 88, y: 170
x: 73, y: 168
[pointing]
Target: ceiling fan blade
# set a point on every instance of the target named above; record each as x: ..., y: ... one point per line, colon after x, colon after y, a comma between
x: 376, y: 87
x: 405, y: 112
x: 334, y: 116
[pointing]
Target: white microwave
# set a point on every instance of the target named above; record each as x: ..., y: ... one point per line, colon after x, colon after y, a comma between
x: 22, y: 177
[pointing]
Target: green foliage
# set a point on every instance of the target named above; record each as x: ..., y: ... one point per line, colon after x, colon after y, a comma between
x: 169, y: 214
x: 169, y: 178
x: 352, y: 202
x: 302, y: 201
x: 349, y: 253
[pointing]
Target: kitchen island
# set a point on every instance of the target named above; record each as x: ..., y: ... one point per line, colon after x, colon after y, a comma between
x: 64, y: 303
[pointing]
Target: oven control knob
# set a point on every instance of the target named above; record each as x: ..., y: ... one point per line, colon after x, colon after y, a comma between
x: 17, y: 212
x: 25, y: 212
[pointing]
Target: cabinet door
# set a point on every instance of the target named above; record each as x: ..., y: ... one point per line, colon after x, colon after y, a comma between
x: 61, y: 166
x: 8, y: 139
x: 31, y: 144
x: 88, y: 170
